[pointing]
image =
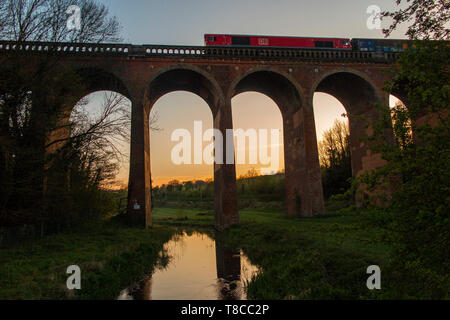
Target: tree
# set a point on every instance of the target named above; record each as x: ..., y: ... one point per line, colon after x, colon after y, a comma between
x: 98, y: 137
x: 402, y: 125
x: 188, y: 185
x: 429, y: 19
x: 46, y: 20
x: 30, y: 111
x: 417, y: 170
x: 335, y: 161
x: 173, y: 185
x: 87, y: 162
x: 252, y: 173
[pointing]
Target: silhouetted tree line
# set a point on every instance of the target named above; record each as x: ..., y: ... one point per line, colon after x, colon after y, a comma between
x: 250, y: 186
x: 335, y: 160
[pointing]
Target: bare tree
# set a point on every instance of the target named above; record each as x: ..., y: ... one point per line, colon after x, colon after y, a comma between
x: 107, y: 129
x: 334, y: 144
x: 46, y: 20
x: 335, y: 161
x: 3, y: 17
x: 100, y: 137
x: 31, y: 102
x: 23, y: 99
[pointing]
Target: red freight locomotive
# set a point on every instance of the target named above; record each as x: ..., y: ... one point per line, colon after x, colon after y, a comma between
x: 280, y: 42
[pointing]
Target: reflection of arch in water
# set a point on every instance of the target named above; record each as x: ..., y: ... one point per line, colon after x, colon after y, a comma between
x: 196, y: 276
x: 228, y: 263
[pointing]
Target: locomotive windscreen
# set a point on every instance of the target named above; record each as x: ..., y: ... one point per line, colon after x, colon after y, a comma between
x: 240, y: 41
x: 324, y: 44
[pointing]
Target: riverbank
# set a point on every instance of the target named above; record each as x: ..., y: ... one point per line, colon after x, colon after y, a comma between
x: 110, y: 258
x: 320, y: 258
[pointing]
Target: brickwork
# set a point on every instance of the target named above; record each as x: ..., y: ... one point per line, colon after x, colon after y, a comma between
x: 290, y: 78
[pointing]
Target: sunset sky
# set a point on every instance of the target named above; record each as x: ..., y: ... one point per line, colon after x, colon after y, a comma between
x: 182, y: 22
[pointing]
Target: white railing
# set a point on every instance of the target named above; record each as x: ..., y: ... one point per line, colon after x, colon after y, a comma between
x: 129, y: 50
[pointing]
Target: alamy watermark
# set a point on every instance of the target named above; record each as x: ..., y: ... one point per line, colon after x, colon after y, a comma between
x: 74, y: 20
x: 374, y: 281
x: 374, y: 20
x: 217, y: 152
x: 74, y: 280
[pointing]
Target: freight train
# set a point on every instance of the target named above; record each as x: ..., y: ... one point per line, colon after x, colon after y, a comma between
x: 370, y: 45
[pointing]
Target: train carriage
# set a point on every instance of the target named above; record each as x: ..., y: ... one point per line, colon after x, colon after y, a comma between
x: 279, y: 42
x: 367, y: 45
x: 381, y: 45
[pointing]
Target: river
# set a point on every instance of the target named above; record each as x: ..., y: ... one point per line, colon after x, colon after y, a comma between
x: 199, y: 268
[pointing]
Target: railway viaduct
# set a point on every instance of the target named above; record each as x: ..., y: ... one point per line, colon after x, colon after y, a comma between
x: 289, y: 76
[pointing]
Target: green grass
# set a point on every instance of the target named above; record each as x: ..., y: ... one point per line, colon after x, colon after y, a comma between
x: 319, y: 258
x: 111, y: 258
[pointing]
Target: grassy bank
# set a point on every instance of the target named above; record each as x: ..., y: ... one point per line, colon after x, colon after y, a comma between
x: 111, y: 258
x: 320, y: 258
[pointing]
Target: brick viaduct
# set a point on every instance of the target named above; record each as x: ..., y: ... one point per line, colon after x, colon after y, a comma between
x: 289, y: 76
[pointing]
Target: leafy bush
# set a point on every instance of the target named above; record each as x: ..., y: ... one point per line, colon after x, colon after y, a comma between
x: 417, y: 172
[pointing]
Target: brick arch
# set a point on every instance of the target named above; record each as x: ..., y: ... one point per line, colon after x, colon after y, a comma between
x: 400, y: 96
x: 93, y: 79
x: 302, y: 183
x: 348, y: 86
x: 97, y: 79
x: 359, y: 95
x: 184, y: 77
x: 280, y: 87
x: 342, y: 70
x: 178, y: 77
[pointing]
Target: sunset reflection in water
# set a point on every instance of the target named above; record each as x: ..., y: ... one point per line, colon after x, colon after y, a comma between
x: 200, y: 268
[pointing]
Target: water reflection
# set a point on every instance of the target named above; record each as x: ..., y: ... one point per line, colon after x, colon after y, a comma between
x: 228, y: 262
x: 200, y: 268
